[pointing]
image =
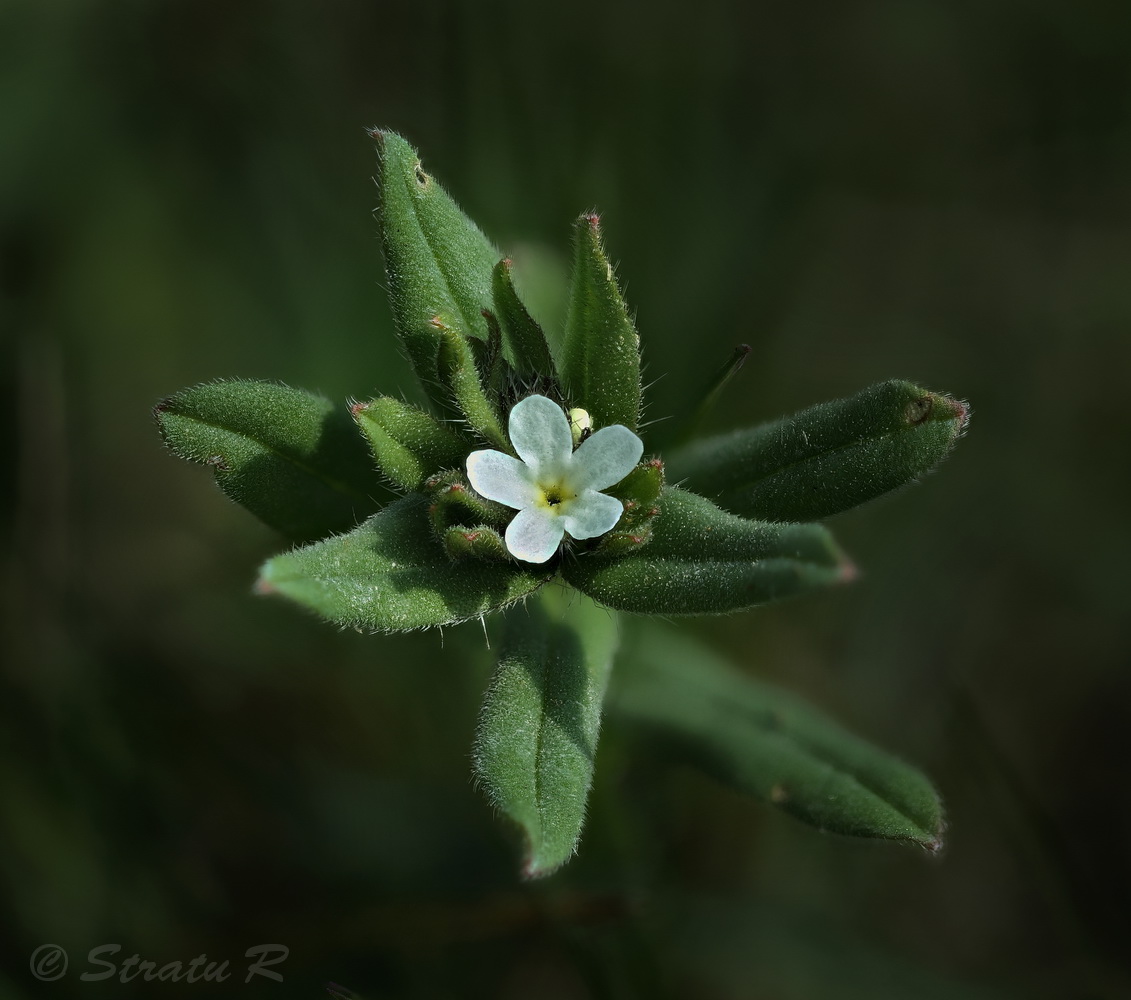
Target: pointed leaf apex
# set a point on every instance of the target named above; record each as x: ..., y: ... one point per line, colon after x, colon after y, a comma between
x: 600, y: 356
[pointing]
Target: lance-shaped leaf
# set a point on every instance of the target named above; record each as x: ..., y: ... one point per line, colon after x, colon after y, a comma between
x: 537, y: 733
x: 769, y: 743
x: 459, y: 375
x: 524, y: 343
x: 438, y: 260
x: 701, y: 561
x: 408, y: 444
x: 828, y: 458
x: 392, y: 573
x: 293, y: 459
x: 600, y: 363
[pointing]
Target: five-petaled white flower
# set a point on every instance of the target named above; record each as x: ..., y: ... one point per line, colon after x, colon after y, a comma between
x: 554, y: 488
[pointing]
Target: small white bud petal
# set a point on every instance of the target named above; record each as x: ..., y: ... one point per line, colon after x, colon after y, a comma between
x: 580, y: 424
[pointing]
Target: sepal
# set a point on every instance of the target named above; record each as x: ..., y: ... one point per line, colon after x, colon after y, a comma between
x: 480, y: 542
x: 639, y: 491
x: 453, y: 503
x: 408, y: 444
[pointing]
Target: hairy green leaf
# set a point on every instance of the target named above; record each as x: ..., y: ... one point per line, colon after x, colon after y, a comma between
x: 409, y: 444
x: 392, y: 574
x: 438, y: 261
x: 826, y: 459
x: 600, y: 367
x: 524, y: 343
x: 460, y: 376
x: 701, y: 560
x: 769, y: 743
x: 538, y: 729
x: 293, y: 459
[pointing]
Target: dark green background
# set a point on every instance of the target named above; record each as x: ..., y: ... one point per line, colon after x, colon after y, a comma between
x: 885, y: 188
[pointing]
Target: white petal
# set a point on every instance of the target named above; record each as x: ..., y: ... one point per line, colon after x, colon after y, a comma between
x: 592, y: 514
x: 534, y: 535
x: 539, y: 431
x: 605, y: 458
x: 501, y: 477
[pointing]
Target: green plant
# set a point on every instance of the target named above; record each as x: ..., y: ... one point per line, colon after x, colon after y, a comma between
x: 434, y: 516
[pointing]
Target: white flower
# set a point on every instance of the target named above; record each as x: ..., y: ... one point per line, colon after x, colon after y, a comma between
x: 554, y: 488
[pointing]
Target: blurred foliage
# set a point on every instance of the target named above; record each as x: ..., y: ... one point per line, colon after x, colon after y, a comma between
x: 881, y: 188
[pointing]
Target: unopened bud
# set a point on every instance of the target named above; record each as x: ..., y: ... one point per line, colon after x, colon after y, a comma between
x: 580, y: 424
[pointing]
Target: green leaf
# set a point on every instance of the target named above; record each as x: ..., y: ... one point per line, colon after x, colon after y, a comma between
x: 702, y: 560
x: 459, y: 375
x: 408, y: 444
x: 828, y: 458
x: 600, y: 367
x: 392, y: 574
x: 769, y: 743
x: 537, y: 733
x: 293, y: 459
x: 524, y: 343
x: 438, y: 261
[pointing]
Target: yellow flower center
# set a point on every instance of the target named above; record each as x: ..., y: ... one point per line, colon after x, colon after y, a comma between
x: 555, y: 497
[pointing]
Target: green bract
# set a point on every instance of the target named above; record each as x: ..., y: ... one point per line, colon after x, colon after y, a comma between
x: 737, y: 531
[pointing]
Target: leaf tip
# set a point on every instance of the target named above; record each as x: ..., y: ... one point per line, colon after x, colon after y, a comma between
x: 534, y: 867
x: 961, y: 412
